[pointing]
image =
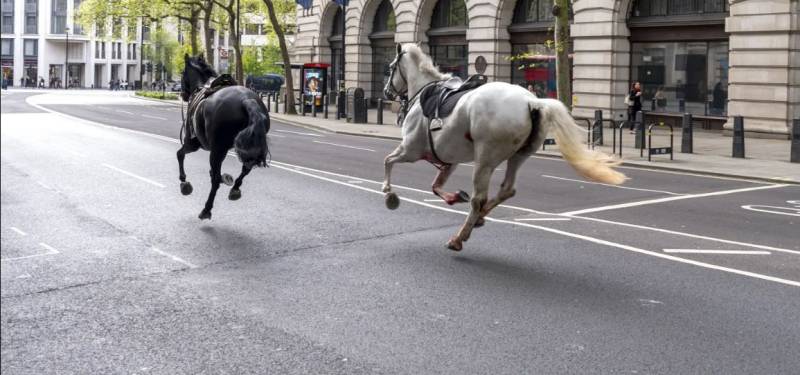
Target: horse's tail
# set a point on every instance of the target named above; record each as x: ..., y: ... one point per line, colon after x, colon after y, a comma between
x: 591, y: 164
x: 251, y: 143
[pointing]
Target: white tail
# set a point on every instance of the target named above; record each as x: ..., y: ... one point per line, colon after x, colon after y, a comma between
x: 591, y: 164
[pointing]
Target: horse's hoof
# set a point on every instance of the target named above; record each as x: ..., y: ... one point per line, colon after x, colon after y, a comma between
x: 392, y: 201
x: 186, y: 188
x: 463, y: 197
x: 455, y: 244
x: 205, y: 214
x: 227, y: 179
x: 480, y: 222
x: 235, y: 194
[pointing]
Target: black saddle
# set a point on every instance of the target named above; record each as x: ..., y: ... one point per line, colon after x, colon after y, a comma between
x: 438, y: 100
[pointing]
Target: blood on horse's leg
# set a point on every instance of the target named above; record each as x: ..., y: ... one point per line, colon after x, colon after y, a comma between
x: 480, y: 182
x: 507, y: 187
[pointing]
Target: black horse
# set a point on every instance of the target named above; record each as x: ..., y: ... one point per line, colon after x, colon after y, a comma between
x: 221, y: 116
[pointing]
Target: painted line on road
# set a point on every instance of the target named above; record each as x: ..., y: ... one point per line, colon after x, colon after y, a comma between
x: 20, y: 232
x: 543, y: 219
x: 276, y: 135
x: 294, y: 169
x: 173, y: 257
x: 777, y: 210
x: 300, y: 133
x: 609, y: 185
x: 670, y: 199
x: 731, y: 252
x: 345, y: 146
x: 154, y: 117
x: 50, y: 251
x: 121, y: 111
x: 149, y: 181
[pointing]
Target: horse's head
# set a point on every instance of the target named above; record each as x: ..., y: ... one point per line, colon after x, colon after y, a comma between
x: 398, y: 80
x: 195, y: 73
x: 409, y: 71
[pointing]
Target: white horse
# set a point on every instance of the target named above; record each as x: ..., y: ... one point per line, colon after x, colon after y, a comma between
x: 494, y: 123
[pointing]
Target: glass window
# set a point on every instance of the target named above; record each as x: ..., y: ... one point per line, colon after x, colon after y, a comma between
x: 683, y: 76
x: 449, y: 13
x: 31, y: 47
x: 533, y: 11
x: 384, y: 18
x: 8, y: 48
x: 534, y: 68
x: 450, y: 59
x: 337, y: 27
x: 381, y: 58
x: 76, y: 28
x: 8, y: 17
x: 31, y: 16
x: 58, y: 20
x: 650, y: 8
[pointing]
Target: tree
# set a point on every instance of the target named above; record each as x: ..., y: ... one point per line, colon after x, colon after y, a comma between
x: 564, y: 81
x: 229, y: 6
x: 287, y: 65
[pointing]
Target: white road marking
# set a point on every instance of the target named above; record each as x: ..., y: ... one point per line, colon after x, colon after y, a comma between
x: 149, y: 181
x: 276, y: 135
x: 731, y: 252
x: 15, y: 229
x: 295, y: 169
x: 300, y: 133
x: 289, y: 167
x: 774, y: 210
x: 154, y: 117
x: 50, y: 251
x: 670, y: 199
x: 346, y: 146
x: 609, y: 185
x: 543, y: 219
x: 354, y: 182
x: 121, y: 111
x: 173, y: 257
x: 433, y: 200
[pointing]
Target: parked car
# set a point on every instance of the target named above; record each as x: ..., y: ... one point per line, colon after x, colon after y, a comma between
x: 176, y: 87
x: 265, y: 83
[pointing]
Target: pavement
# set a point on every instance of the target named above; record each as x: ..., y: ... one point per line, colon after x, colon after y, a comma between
x: 106, y: 269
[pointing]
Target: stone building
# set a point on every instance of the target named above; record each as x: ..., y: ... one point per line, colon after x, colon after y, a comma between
x: 712, y: 58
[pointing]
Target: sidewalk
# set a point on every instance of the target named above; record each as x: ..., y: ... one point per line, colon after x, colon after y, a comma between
x: 766, y: 159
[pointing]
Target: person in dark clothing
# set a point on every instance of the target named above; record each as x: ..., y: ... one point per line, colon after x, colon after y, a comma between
x: 634, y: 103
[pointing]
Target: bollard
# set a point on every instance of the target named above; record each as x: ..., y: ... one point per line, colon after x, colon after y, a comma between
x: 687, y: 141
x: 738, y: 137
x: 597, y: 129
x: 269, y: 102
x: 313, y: 106
x: 284, y: 104
x: 302, y: 105
x: 341, y: 105
x: 380, y: 111
x: 795, y: 154
x: 639, y: 124
x: 275, y: 95
x: 326, y: 101
x: 681, y: 106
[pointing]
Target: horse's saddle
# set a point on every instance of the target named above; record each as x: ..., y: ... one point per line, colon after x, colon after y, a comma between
x: 213, y: 85
x: 438, y: 100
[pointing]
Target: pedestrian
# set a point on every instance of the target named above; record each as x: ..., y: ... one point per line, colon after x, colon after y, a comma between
x: 634, y: 102
x: 41, y: 82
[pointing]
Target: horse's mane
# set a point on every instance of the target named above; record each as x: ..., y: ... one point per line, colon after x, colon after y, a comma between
x: 424, y: 62
x: 202, y: 66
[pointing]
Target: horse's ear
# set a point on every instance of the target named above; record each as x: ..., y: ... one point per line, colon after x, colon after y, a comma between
x: 399, y: 48
x: 186, y: 57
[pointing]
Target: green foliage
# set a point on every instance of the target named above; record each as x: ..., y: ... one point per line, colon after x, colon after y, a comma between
x: 158, y: 95
x: 260, y: 60
x: 177, y: 57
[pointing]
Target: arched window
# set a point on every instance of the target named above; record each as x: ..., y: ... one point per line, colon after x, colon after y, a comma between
x: 383, y: 48
x: 651, y: 8
x: 527, y: 11
x: 449, y: 13
x: 336, y: 42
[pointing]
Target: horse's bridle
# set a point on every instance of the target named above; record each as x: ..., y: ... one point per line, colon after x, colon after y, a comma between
x: 395, y: 67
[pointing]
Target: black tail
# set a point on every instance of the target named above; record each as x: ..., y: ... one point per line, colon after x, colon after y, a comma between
x: 251, y: 143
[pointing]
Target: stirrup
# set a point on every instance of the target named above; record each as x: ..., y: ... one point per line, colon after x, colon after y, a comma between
x: 436, y: 124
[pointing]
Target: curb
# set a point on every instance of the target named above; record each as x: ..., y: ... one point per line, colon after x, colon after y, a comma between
x: 154, y: 100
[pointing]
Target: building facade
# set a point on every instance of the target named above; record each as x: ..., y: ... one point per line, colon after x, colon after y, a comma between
x: 41, y: 41
x: 713, y: 58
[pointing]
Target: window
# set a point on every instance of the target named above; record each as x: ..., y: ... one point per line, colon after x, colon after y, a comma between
x: 650, y: 8
x: 450, y: 59
x: 76, y: 28
x: 384, y: 18
x: 338, y: 27
x: 58, y: 20
x: 102, y: 50
x: 31, y: 16
x: 449, y: 13
x: 527, y: 11
x: 683, y: 76
x: 8, y: 17
x: 31, y: 47
x: 8, y: 47
x: 133, y: 49
x: 96, y: 50
x: 252, y: 29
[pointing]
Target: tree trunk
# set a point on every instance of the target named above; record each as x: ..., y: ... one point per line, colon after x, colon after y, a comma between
x: 563, y: 44
x: 209, y: 36
x: 193, y: 20
x: 287, y: 65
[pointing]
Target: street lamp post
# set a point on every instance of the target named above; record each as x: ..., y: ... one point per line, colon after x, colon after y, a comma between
x: 141, y: 56
x: 341, y: 102
x: 66, y: 60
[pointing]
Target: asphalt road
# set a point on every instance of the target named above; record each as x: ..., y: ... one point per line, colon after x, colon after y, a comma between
x: 106, y: 269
